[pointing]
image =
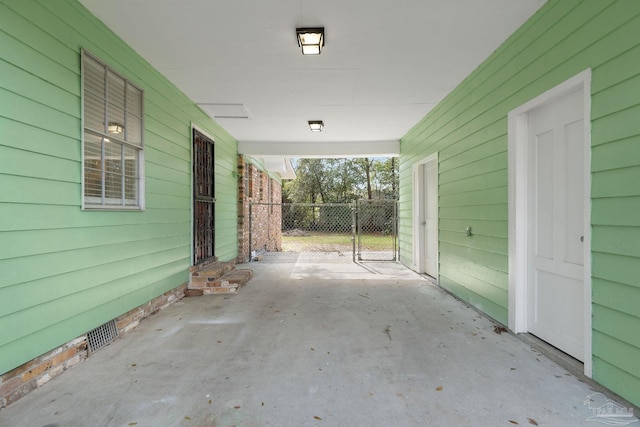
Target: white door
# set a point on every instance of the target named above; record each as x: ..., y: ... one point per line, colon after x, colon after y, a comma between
x: 555, y: 272
x: 426, y: 216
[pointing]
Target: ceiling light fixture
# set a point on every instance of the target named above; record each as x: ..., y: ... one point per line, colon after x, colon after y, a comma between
x: 311, y: 40
x: 115, y: 127
x: 316, y: 125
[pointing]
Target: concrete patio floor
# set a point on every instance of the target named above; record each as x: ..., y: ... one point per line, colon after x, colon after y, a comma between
x: 313, y: 340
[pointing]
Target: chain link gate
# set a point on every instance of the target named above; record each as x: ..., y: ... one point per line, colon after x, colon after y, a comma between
x: 376, y: 226
x: 366, y: 229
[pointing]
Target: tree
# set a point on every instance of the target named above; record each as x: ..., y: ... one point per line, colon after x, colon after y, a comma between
x: 366, y: 167
x: 347, y: 181
x: 309, y: 185
x: 342, y: 180
x: 386, y: 178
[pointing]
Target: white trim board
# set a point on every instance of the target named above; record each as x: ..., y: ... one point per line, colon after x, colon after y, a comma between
x: 418, y: 242
x: 518, y: 175
x: 322, y: 149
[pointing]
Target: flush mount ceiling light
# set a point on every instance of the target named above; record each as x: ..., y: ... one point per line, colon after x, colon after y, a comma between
x: 316, y: 125
x: 115, y: 127
x: 311, y: 40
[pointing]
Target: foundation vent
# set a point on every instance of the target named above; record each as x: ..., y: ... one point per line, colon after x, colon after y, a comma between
x: 101, y: 336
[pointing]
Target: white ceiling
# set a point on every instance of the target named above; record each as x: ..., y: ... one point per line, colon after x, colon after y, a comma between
x: 385, y: 64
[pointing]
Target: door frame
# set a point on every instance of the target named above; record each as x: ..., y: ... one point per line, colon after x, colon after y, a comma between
x: 518, y: 206
x: 419, y: 195
x: 192, y: 192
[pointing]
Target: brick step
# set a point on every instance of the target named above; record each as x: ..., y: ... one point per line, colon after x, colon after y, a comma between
x: 229, y: 282
x: 212, y: 270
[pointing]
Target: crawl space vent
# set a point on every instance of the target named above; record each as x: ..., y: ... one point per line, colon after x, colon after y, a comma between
x: 102, y: 335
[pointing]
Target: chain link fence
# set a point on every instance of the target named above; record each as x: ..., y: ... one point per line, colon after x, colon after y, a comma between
x: 317, y: 227
x: 365, y: 229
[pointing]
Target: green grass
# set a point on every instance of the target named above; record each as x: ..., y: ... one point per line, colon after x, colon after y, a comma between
x: 314, y: 241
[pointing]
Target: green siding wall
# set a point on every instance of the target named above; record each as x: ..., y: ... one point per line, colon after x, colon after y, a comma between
x: 469, y: 130
x: 64, y: 271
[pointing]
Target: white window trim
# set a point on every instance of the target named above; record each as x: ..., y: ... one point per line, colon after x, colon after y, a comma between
x: 140, y: 206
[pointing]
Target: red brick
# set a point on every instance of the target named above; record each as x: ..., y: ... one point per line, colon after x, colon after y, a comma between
x: 8, y: 386
x: 17, y: 371
x: 193, y: 293
x: 64, y: 356
x: 36, y: 371
x: 19, y: 393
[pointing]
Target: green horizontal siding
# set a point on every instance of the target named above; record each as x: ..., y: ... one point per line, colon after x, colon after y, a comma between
x: 46, y: 241
x: 614, y: 155
x: 17, y: 217
x: 17, y: 162
x: 64, y: 271
x: 616, y: 211
x: 608, y: 183
x: 618, y: 325
x: 28, y: 138
x: 608, y: 294
x: 469, y: 131
x: 482, y: 297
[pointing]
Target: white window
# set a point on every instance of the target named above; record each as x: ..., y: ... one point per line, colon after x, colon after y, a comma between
x: 113, y: 145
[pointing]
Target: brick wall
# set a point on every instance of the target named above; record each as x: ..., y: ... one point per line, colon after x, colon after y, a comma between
x: 18, y: 382
x: 130, y: 320
x: 259, y: 211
